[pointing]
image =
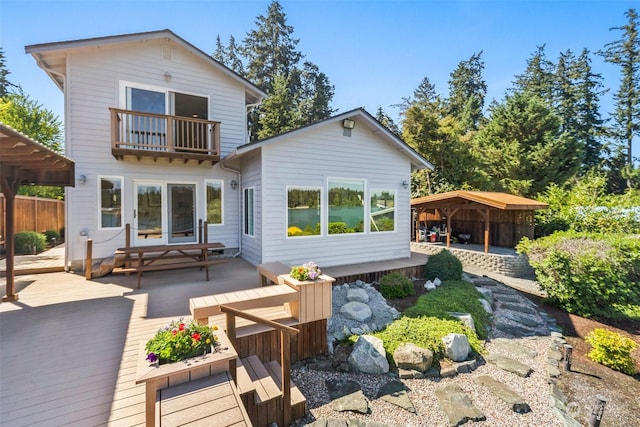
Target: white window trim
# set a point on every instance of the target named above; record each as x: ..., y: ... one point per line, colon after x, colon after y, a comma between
x: 395, y: 210
x: 124, y: 84
x: 99, y: 204
x: 286, y: 210
x: 253, y: 211
x: 365, y: 205
x: 206, y: 183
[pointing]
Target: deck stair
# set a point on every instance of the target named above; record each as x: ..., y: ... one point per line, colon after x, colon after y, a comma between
x: 259, y: 387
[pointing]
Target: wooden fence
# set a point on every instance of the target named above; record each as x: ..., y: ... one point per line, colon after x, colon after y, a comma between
x: 33, y: 214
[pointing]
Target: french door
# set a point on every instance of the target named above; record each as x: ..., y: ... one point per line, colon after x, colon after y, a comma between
x: 164, y: 213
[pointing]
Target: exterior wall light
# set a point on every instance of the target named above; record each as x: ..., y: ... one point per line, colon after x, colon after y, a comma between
x: 82, y: 179
x: 167, y: 76
x: 234, y: 184
x: 405, y: 184
x: 348, y: 124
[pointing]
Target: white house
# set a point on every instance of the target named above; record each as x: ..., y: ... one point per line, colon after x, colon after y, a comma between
x: 158, y: 133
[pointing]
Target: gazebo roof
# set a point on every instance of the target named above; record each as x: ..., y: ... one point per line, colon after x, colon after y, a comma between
x: 462, y: 198
x: 24, y: 161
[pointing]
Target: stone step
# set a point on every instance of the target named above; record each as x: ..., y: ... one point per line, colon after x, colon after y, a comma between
x: 515, y: 402
x: 457, y: 405
x: 508, y: 364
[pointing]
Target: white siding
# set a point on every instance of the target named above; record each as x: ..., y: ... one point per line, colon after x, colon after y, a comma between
x: 251, y: 177
x: 309, y: 160
x: 92, y: 86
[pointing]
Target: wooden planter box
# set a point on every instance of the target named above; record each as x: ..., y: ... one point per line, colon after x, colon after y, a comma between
x: 314, y: 298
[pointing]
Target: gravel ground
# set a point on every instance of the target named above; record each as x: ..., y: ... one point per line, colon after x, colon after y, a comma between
x: 534, y: 390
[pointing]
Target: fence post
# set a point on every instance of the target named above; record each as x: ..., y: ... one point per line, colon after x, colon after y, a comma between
x: 127, y: 237
x: 87, y: 265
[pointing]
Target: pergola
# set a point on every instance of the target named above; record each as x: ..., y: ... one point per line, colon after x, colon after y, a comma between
x: 481, y: 203
x: 24, y: 161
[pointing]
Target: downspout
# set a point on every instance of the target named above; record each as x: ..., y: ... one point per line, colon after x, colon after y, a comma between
x: 47, y: 70
x: 237, y: 172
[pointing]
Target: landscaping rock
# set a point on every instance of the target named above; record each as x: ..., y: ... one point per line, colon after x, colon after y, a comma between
x: 355, y: 310
x: 368, y: 356
x: 456, y: 347
x: 486, y: 293
x: 510, y: 365
x: 358, y: 294
x: 523, y: 319
x: 513, y: 329
x: 347, y: 396
x: 513, y: 347
x: 395, y: 393
x: 510, y: 397
x: 520, y: 308
x: 486, y: 305
x: 429, y: 286
x: 457, y: 405
x: 465, y: 318
x: 411, y: 357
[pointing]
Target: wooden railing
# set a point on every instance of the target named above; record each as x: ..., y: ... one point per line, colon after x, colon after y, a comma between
x: 160, y: 135
x: 285, y: 352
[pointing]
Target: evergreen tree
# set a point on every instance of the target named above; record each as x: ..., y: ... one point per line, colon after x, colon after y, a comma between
x: 5, y: 85
x: 522, y: 148
x: 270, y: 49
x: 467, y: 91
x: 313, y: 92
x: 277, y: 113
x: 625, y: 52
x: 220, y: 54
x: 387, y: 121
x: 538, y: 77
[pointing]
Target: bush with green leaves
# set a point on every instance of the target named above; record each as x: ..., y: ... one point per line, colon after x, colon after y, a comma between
x: 339, y: 228
x: 444, y: 265
x: 452, y: 296
x: 584, y: 273
x: 52, y: 237
x: 28, y: 242
x: 395, y: 285
x: 426, y: 332
x: 611, y: 349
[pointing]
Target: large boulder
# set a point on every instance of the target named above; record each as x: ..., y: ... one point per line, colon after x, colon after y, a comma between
x: 465, y: 318
x: 358, y: 294
x: 355, y: 310
x: 456, y: 347
x: 368, y: 356
x: 411, y: 357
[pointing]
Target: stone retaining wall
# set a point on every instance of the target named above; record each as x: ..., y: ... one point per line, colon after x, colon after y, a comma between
x: 508, y: 265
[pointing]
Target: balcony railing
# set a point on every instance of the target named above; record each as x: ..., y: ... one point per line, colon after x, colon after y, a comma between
x: 157, y: 135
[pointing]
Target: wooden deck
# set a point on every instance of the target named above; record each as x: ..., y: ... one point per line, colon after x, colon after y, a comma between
x: 69, y: 346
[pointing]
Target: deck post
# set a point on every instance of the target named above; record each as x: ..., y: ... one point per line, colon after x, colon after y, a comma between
x: 285, y: 363
x: 87, y: 262
x: 127, y: 235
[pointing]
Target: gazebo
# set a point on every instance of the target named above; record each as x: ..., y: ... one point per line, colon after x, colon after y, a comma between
x: 484, y: 217
x: 24, y: 161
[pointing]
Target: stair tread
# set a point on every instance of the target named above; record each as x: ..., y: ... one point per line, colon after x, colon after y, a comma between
x: 246, y: 327
x: 275, y: 370
x: 265, y: 386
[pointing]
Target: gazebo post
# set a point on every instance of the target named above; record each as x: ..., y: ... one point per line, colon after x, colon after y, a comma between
x: 486, y: 230
x: 9, y: 191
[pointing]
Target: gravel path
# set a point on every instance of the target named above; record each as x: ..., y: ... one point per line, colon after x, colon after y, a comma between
x: 535, y: 390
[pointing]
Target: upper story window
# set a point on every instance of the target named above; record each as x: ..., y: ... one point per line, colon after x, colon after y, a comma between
x: 303, y: 211
x: 214, y: 201
x: 346, y: 206
x: 382, y: 210
x: 110, y: 202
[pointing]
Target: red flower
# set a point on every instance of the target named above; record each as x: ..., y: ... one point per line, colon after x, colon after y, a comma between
x: 173, y: 332
x: 181, y: 327
x: 195, y: 336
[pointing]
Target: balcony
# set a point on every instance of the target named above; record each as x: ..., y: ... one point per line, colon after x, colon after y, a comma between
x: 149, y: 135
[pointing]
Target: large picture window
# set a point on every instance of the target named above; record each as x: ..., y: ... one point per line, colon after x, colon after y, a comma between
x: 303, y: 212
x: 383, y: 209
x: 110, y: 202
x: 249, y: 212
x: 346, y: 206
x: 214, y: 201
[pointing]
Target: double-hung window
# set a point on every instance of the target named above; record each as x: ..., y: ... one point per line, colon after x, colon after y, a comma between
x: 249, y: 211
x: 214, y: 201
x: 110, y: 201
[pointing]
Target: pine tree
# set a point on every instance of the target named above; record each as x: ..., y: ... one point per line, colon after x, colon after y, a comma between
x: 538, y: 77
x: 467, y: 91
x: 625, y: 52
x: 387, y: 121
x: 5, y: 85
x: 220, y: 54
x: 277, y: 113
x: 314, y: 92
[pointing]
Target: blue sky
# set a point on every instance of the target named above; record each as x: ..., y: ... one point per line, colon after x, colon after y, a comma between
x: 374, y: 52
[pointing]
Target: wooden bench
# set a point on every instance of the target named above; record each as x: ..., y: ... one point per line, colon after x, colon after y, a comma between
x: 278, y: 295
x: 171, y: 266
x: 270, y: 272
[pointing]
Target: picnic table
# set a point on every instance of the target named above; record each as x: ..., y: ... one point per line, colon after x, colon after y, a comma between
x: 140, y: 259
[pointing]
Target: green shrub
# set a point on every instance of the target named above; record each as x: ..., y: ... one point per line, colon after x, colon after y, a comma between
x: 611, y: 349
x: 444, y: 265
x: 28, y: 242
x: 453, y: 296
x: 424, y: 332
x: 52, y: 236
x: 339, y: 228
x: 586, y: 274
x: 395, y: 285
